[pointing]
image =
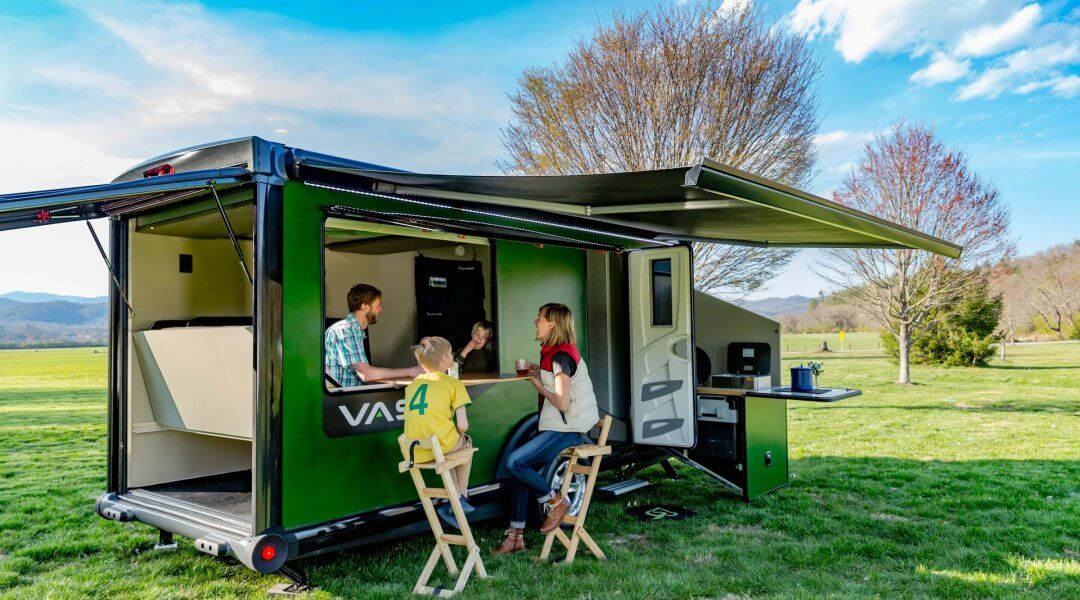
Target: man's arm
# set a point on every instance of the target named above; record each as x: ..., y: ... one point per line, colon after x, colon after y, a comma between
x: 369, y: 372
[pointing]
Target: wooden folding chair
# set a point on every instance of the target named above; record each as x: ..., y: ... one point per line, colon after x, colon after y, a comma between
x: 593, y: 452
x: 441, y: 465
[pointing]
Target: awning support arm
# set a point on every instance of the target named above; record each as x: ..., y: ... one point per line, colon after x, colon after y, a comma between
x: 108, y: 265
x: 232, y: 234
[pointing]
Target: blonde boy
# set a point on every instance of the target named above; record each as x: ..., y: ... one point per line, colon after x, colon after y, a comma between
x: 431, y: 402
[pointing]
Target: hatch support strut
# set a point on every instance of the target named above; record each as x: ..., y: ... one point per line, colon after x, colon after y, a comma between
x: 232, y: 234
x: 115, y: 280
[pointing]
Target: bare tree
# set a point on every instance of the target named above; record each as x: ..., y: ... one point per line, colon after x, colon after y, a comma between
x: 664, y: 89
x: 907, y: 176
x: 1053, y: 280
x: 1005, y: 281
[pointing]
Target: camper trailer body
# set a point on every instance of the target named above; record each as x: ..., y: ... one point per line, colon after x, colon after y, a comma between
x: 228, y: 260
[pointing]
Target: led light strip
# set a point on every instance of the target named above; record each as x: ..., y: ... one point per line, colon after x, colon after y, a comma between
x: 361, y: 212
x: 488, y: 214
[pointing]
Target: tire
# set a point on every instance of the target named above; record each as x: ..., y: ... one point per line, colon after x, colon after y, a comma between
x: 554, y: 473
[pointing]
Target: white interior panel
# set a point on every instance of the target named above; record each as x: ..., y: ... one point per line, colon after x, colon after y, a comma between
x: 199, y: 379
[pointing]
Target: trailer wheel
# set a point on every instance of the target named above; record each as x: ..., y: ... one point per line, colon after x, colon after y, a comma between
x: 555, y: 472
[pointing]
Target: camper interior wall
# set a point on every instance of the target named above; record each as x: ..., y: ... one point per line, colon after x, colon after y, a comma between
x: 608, y: 336
x: 718, y: 323
x: 216, y: 286
x: 395, y: 333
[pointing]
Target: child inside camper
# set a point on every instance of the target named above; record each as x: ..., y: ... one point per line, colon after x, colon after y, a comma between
x: 477, y: 356
x: 431, y: 402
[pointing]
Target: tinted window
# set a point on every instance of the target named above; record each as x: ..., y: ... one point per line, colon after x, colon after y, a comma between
x: 661, y: 292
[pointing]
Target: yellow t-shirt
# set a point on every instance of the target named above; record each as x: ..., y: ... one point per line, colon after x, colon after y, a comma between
x: 430, y: 402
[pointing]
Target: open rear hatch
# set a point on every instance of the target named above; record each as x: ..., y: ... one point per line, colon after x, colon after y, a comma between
x: 46, y: 207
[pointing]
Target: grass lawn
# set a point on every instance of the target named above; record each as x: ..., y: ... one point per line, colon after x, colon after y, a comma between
x: 966, y: 484
x: 794, y: 343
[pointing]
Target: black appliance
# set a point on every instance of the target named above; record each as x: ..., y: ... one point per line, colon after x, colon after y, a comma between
x: 449, y: 298
x: 749, y: 358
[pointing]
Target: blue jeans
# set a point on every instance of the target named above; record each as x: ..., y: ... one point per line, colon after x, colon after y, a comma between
x: 525, y: 463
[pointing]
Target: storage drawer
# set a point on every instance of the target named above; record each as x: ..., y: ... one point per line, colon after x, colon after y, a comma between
x: 717, y: 440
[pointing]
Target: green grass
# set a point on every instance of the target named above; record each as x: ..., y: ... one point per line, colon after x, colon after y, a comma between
x: 964, y: 485
x: 793, y: 343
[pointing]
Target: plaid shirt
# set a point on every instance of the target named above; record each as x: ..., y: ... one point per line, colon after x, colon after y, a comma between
x: 345, y: 346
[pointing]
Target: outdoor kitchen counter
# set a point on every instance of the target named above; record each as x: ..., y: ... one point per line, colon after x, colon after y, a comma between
x: 715, y: 391
x: 468, y: 379
x: 785, y: 393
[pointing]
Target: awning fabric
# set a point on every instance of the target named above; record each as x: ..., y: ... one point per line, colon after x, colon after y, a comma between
x: 705, y: 202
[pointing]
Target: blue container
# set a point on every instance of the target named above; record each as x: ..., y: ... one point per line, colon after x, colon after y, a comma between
x: 802, y: 379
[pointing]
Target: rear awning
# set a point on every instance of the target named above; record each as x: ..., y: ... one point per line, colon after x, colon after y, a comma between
x: 90, y: 202
x: 706, y: 202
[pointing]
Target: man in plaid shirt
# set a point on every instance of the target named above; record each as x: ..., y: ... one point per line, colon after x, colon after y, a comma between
x: 346, y: 361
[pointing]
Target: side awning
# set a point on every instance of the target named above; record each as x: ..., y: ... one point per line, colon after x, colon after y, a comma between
x: 706, y: 202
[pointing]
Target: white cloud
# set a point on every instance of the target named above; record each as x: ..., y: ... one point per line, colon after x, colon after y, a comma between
x: 734, y: 6
x: 840, y: 137
x: 205, y: 64
x: 47, y: 159
x: 1018, y: 66
x: 1065, y: 87
x: 60, y: 258
x: 964, y: 38
x: 838, y: 151
x: 941, y: 69
x: 127, y: 79
x: 990, y: 39
x: 863, y: 28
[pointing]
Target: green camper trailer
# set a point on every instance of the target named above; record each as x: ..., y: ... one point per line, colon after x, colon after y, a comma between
x: 229, y: 260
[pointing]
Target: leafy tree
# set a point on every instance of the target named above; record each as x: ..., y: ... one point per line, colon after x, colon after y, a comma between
x: 962, y: 335
x: 664, y: 89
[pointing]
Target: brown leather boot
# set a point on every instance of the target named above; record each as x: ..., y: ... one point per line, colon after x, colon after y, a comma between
x: 556, y: 510
x: 513, y: 542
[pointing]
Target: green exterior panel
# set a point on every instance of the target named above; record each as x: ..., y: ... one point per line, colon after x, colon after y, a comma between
x: 325, y: 478
x: 766, y: 432
x: 529, y: 276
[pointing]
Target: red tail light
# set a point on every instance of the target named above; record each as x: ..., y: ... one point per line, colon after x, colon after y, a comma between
x: 268, y: 553
x: 165, y: 169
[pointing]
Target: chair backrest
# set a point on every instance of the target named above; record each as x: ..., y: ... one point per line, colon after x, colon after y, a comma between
x: 605, y: 426
x: 406, y: 445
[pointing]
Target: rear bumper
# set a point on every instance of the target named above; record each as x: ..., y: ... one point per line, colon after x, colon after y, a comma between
x: 213, y: 533
x: 223, y: 535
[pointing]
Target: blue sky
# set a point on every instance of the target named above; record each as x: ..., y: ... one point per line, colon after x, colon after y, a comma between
x: 90, y: 88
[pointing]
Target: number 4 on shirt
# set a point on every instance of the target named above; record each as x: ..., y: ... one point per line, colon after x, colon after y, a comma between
x: 418, y: 402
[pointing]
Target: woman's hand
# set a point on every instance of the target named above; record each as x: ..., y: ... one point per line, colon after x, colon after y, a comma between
x: 539, y: 386
x: 534, y: 370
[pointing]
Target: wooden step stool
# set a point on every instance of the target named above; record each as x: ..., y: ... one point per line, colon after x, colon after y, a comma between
x: 441, y: 465
x: 594, y: 452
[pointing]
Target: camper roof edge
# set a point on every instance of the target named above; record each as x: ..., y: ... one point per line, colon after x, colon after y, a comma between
x: 280, y: 162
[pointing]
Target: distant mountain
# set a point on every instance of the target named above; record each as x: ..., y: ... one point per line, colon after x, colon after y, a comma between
x: 60, y: 312
x: 20, y: 296
x: 774, y: 307
x: 52, y: 323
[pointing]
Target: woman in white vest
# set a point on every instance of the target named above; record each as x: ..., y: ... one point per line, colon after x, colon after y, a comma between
x: 567, y: 413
